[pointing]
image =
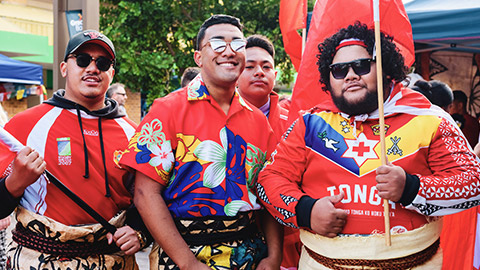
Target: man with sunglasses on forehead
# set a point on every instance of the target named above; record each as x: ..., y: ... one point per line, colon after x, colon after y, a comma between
x: 197, y: 154
x: 80, y: 134
x: 326, y: 178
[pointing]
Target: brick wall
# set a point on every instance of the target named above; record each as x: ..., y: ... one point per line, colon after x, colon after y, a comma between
x: 133, y: 106
x: 14, y: 106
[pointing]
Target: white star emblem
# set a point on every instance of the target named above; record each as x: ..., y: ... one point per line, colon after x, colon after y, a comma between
x: 345, y: 126
x: 361, y: 149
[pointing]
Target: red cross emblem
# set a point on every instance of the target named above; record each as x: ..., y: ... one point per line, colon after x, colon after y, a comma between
x: 361, y: 149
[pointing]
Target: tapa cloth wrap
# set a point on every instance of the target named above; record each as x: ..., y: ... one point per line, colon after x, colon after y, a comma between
x: 372, y: 247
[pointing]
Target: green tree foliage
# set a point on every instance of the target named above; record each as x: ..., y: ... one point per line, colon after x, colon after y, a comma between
x: 155, y: 39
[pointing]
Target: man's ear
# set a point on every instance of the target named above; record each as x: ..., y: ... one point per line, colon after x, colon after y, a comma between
x: 197, y: 56
x: 449, y: 107
x: 63, y: 69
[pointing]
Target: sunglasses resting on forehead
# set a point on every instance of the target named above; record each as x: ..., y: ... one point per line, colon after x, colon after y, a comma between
x: 83, y: 60
x: 360, y: 67
x: 220, y: 45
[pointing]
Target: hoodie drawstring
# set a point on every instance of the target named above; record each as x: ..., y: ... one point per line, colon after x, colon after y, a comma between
x: 102, y: 148
x: 107, y: 187
x: 85, y: 150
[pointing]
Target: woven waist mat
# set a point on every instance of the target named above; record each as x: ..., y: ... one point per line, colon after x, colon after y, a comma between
x: 51, y: 245
x: 212, y: 230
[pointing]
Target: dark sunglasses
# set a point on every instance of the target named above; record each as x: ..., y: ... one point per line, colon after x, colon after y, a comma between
x: 220, y: 45
x: 84, y: 59
x: 360, y: 67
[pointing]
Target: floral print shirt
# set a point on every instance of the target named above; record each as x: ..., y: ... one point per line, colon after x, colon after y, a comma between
x: 208, y: 161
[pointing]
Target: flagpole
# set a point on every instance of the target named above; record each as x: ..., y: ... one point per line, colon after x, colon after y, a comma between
x: 381, y: 117
x: 304, y: 39
x: 304, y: 30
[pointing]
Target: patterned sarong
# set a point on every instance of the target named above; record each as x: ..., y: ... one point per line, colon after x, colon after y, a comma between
x: 41, y: 230
x: 229, y: 243
x: 3, y: 255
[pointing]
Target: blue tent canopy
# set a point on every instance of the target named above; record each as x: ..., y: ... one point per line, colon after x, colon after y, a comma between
x: 15, y: 71
x: 445, y: 24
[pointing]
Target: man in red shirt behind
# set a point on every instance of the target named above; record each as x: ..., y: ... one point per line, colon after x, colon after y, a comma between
x: 468, y: 124
x: 255, y: 84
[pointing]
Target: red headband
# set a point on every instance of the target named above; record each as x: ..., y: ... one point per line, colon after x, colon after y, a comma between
x: 349, y: 42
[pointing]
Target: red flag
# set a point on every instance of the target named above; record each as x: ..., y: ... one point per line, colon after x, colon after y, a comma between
x: 476, y: 249
x: 293, y: 15
x: 9, y: 146
x: 6, y: 157
x: 460, y: 240
x: 328, y: 17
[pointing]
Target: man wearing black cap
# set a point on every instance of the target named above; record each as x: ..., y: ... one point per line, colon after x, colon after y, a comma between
x: 79, y: 133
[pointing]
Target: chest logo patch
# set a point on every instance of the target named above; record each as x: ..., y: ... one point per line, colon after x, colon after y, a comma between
x: 361, y: 149
x: 376, y: 129
x: 395, y: 149
x: 329, y: 143
x: 64, y: 151
x: 345, y: 126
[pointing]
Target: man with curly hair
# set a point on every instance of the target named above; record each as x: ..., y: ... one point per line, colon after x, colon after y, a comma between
x: 326, y: 177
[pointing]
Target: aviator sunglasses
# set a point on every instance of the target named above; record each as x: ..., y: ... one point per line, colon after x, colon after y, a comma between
x: 360, y: 67
x: 84, y: 59
x: 220, y: 45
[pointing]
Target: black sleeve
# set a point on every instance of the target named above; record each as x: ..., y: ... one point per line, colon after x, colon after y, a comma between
x: 135, y: 221
x: 7, y: 201
x: 412, y: 185
x: 304, y: 211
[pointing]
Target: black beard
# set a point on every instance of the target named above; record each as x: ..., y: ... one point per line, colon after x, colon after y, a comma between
x: 366, y: 105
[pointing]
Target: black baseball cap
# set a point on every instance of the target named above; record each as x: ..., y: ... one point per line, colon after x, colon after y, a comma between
x: 90, y: 36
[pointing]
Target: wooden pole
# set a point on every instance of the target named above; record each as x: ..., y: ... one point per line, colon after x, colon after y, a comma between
x: 381, y: 117
x: 304, y: 39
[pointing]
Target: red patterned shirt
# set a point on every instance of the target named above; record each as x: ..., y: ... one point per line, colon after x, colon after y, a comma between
x: 208, y: 161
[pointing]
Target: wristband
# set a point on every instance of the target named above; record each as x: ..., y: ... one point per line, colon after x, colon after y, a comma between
x: 142, y: 239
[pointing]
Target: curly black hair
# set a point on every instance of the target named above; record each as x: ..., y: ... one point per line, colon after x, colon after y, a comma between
x: 393, y: 65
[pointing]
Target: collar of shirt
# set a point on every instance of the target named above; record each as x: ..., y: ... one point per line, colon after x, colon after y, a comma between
x: 265, y: 108
x: 197, y: 90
